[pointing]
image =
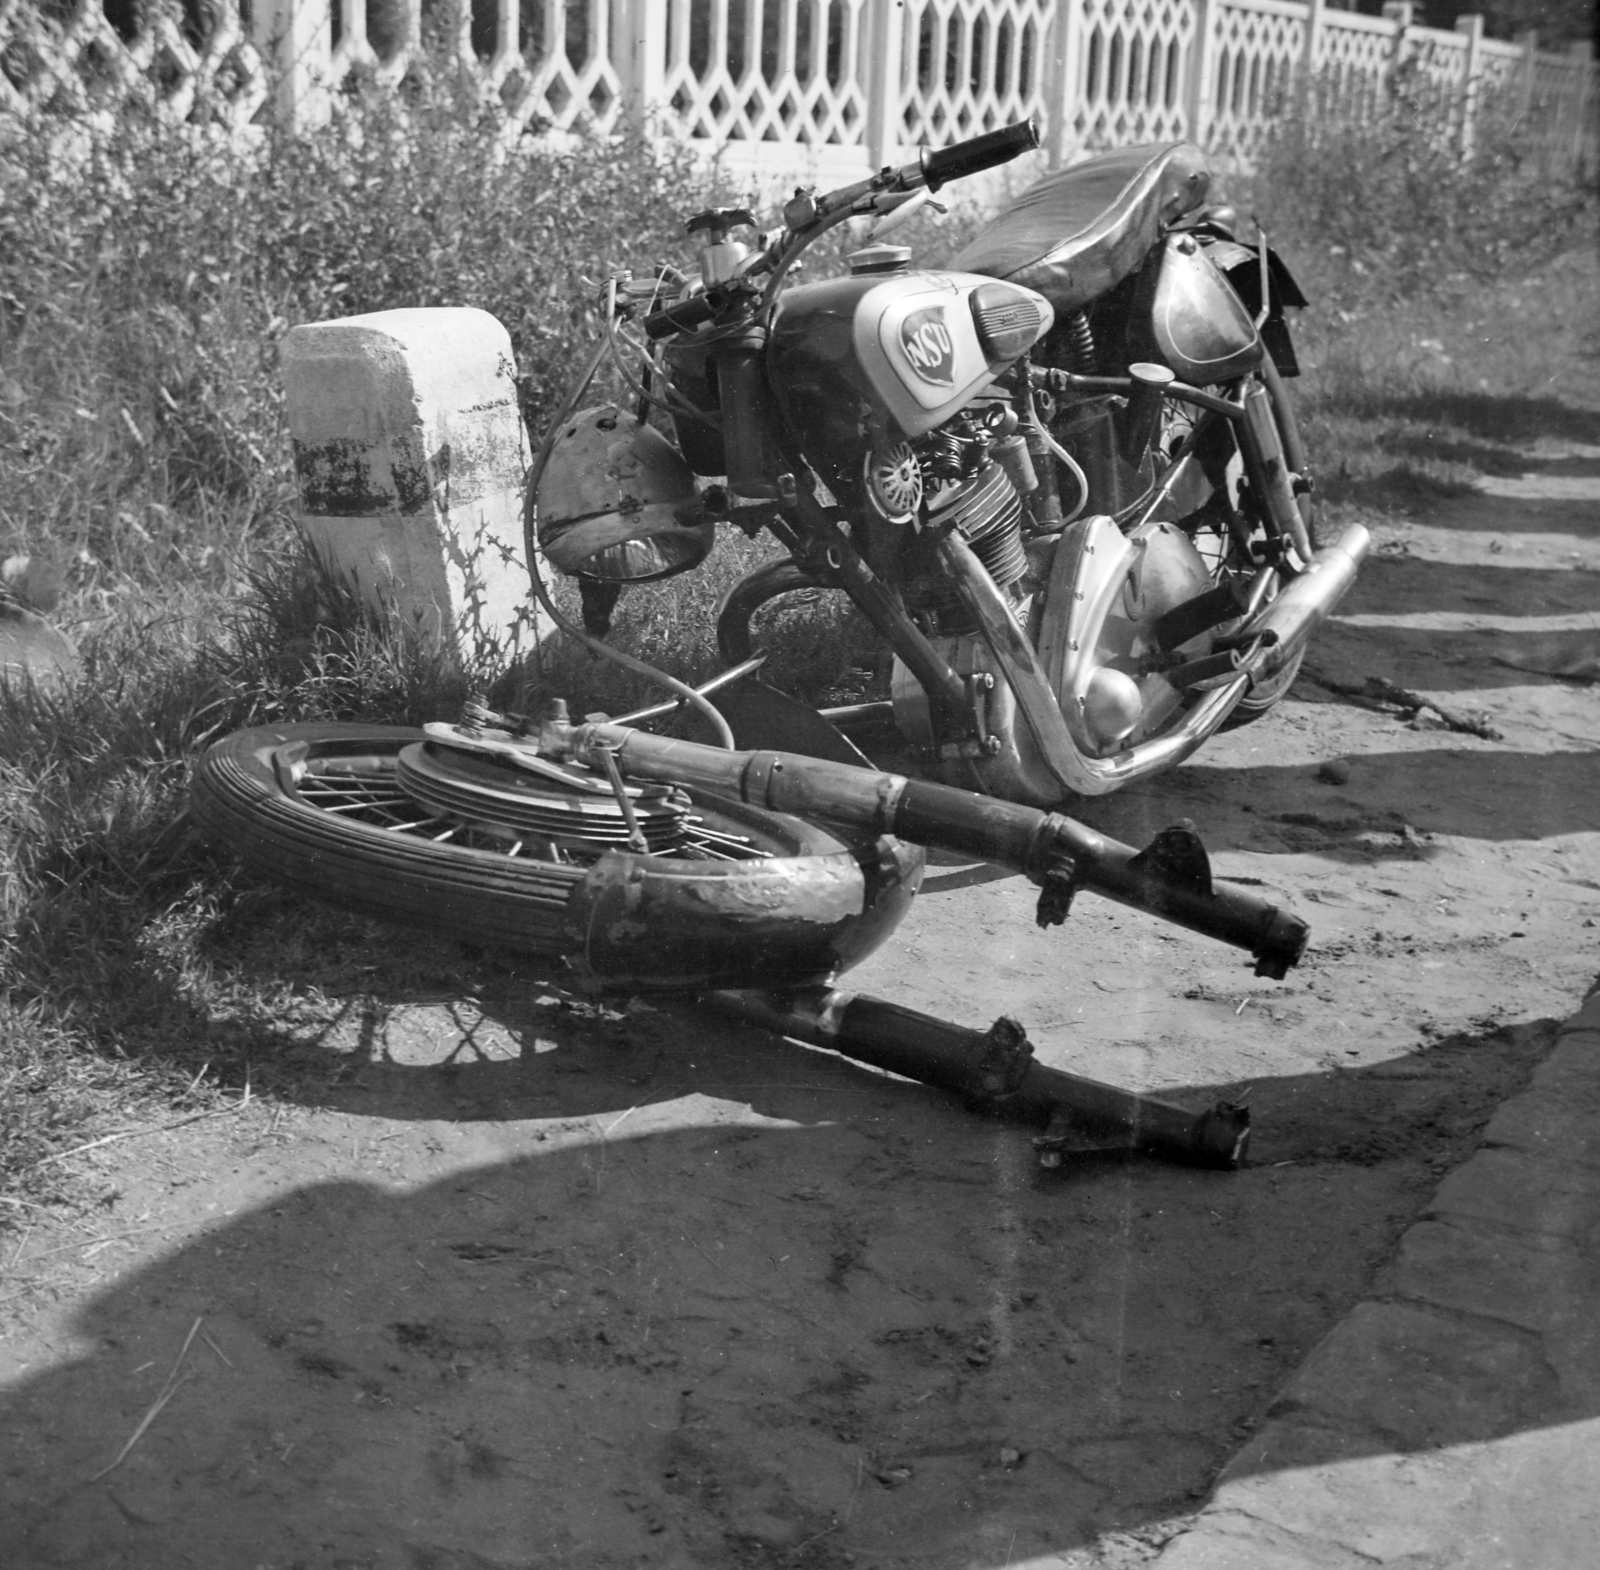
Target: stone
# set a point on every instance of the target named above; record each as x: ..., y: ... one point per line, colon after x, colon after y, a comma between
x: 1227, y: 1540
x: 1483, y: 1270
x: 411, y: 458
x: 1522, y: 1502
x: 1415, y: 1376
x: 1510, y: 1189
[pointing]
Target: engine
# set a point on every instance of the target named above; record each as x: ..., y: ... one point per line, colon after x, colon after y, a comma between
x: 949, y: 480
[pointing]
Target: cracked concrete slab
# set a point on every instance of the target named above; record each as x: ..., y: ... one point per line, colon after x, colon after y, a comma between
x: 1453, y: 1423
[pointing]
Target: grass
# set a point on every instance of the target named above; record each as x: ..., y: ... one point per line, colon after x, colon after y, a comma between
x: 143, y: 464
x: 1408, y: 403
x: 1455, y: 302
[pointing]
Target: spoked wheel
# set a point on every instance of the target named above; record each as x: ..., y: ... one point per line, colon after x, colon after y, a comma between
x: 373, y: 818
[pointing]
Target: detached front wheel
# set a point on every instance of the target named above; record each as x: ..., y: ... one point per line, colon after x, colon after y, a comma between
x: 380, y: 820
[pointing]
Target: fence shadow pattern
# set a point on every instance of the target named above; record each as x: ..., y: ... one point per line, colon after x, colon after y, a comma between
x: 834, y: 87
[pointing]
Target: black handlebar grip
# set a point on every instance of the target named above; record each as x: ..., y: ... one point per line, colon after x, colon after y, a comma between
x: 683, y: 317
x: 982, y: 152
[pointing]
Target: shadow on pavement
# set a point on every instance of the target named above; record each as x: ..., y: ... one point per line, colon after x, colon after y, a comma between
x: 1493, y: 417
x: 1430, y: 659
x: 1402, y: 585
x: 656, y: 1297
x: 1481, y: 792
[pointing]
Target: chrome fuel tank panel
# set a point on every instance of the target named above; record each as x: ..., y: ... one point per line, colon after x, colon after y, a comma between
x: 917, y: 338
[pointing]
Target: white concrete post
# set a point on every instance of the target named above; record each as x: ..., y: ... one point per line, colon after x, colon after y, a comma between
x: 1401, y: 13
x: 1310, y: 49
x: 1202, y: 71
x: 642, y: 58
x: 1471, y: 81
x: 1528, y: 43
x: 354, y: 46
x: 1065, y: 81
x: 295, y: 39
x: 411, y: 457
x: 1581, y: 54
x: 884, y: 55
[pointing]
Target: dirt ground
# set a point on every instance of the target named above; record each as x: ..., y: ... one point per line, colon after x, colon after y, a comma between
x: 511, y: 1280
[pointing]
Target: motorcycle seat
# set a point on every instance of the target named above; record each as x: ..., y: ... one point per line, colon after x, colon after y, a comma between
x: 1077, y: 232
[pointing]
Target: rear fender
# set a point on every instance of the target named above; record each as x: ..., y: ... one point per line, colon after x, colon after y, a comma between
x: 1241, y: 266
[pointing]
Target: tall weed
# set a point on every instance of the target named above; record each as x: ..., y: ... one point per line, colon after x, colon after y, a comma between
x: 1386, y: 208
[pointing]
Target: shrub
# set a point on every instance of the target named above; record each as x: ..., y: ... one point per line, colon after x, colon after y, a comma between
x: 1386, y: 208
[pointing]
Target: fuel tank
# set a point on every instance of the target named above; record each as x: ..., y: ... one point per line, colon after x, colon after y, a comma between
x: 895, y: 356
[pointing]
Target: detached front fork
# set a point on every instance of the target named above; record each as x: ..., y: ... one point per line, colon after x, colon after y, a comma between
x: 1169, y: 878
x: 996, y: 1074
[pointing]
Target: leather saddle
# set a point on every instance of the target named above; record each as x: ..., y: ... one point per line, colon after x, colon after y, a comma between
x: 1075, y: 233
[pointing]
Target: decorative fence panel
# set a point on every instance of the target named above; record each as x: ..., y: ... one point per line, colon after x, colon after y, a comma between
x: 1353, y: 55
x: 779, y: 86
x: 1124, y: 78
x: 1259, y: 51
x: 968, y: 66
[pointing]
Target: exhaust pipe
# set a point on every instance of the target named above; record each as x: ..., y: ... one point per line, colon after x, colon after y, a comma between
x: 1309, y: 600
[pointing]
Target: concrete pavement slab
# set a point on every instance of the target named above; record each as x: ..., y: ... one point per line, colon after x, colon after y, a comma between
x: 1453, y: 1421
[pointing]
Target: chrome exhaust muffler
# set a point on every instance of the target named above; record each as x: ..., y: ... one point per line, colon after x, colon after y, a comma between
x: 1307, y: 601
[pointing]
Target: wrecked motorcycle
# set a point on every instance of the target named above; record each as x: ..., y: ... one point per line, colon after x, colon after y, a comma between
x: 1061, y: 479
x: 1083, y: 568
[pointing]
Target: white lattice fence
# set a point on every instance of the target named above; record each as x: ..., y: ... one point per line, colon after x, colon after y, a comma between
x: 551, y: 65
x: 1561, y: 109
x: 1353, y: 59
x: 787, y: 71
x: 968, y: 66
x: 1258, y: 53
x: 70, y: 59
x: 1126, y: 79
x: 1504, y: 68
x: 1432, y: 72
x: 826, y: 86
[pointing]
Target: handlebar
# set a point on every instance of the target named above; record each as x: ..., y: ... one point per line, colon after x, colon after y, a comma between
x: 683, y: 317
x: 979, y: 153
x: 806, y: 216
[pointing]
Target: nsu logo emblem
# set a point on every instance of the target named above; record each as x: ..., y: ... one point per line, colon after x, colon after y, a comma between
x: 928, y: 345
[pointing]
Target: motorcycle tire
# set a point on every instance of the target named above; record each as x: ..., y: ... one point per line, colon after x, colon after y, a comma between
x: 318, y: 809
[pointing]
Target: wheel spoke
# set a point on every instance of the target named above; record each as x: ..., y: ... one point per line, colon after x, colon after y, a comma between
x: 373, y: 797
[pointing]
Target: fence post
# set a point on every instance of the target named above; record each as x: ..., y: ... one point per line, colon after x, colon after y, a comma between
x: 354, y: 45
x: 1528, y: 43
x: 1310, y: 47
x: 884, y: 54
x: 1201, y: 86
x: 507, y: 38
x: 1581, y: 54
x: 1400, y: 12
x: 642, y: 60
x: 1471, y: 80
x: 1063, y: 80
x: 295, y: 38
